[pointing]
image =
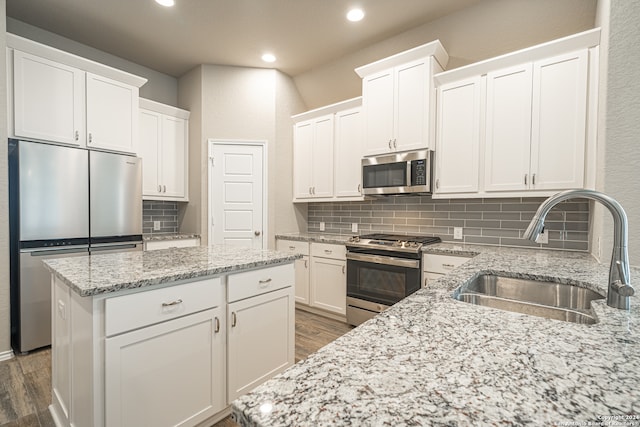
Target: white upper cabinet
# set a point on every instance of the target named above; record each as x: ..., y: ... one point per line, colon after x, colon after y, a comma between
x: 48, y: 100
x: 163, y: 147
x: 537, y: 122
x: 63, y: 98
x: 559, y: 121
x: 457, y: 147
x: 112, y: 111
x: 398, y: 99
x: 327, y: 153
x: 348, y: 153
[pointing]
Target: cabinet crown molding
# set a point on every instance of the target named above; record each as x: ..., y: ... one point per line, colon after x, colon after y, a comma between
x: 433, y: 48
x: 586, y: 39
x: 53, y: 54
x: 329, y: 109
x: 169, y: 110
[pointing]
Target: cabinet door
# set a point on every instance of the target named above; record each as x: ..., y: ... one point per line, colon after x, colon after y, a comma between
x: 322, y: 157
x: 377, y: 104
x: 559, y: 121
x: 329, y: 284
x: 173, y: 143
x: 302, y: 280
x: 260, y: 340
x: 169, y: 374
x: 48, y: 100
x: 148, y: 150
x: 411, y: 119
x: 508, y: 129
x: 302, y: 152
x: 458, y: 131
x: 348, y: 153
x: 112, y: 114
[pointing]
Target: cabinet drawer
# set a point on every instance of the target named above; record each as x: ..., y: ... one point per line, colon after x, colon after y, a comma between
x: 442, y: 264
x: 128, y: 312
x: 293, y: 246
x: 327, y: 250
x: 256, y: 282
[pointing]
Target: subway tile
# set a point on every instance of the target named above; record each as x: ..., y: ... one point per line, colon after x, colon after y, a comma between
x: 417, y: 221
x: 519, y: 207
x: 482, y: 207
x: 407, y: 229
x: 382, y: 214
x: 578, y: 246
x: 482, y: 240
x: 466, y: 215
x: 434, y: 215
x: 521, y: 225
x: 407, y: 214
x: 506, y: 241
x: 449, y: 222
x: 402, y: 221
x: 577, y: 216
x: 498, y: 232
x: 482, y: 223
x: 471, y: 231
x: 510, y: 216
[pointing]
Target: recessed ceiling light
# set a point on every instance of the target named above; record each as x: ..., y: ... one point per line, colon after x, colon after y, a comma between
x: 355, y: 15
x: 268, y: 57
x: 166, y: 3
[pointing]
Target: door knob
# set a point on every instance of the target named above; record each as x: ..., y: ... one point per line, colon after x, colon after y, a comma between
x: 257, y: 233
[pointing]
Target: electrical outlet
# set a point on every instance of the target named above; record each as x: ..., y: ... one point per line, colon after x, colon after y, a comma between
x: 322, y: 226
x: 543, y: 237
x: 457, y: 233
x: 156, y: 225
x: 354, y: 227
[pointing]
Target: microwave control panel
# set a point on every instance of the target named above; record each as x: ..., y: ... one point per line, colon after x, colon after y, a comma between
x: 419, y: 172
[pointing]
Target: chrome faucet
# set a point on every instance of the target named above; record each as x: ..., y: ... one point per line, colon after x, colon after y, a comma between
x: 619, y: 277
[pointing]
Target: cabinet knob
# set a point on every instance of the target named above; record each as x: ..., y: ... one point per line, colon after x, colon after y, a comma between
x: 257, y: 232
x: 291, y: 248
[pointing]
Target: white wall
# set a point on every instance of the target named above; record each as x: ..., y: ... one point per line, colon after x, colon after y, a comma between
x: 5, y: 329
x: 159, y: 87
x: 620, y: 174
x: 490, y: 28
x: 239, y: 103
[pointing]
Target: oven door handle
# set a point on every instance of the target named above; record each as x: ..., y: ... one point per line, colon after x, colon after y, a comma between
x: 385, y: 260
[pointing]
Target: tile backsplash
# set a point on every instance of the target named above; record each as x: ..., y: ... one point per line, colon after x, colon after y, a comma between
x: 165, y: 212
x: 484, y: 221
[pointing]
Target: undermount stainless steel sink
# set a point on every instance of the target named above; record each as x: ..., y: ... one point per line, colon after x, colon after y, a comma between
x: 533, y: 297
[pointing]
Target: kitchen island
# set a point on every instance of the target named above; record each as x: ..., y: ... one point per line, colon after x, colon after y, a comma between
x: 433, y: 360
x: 167, y: 337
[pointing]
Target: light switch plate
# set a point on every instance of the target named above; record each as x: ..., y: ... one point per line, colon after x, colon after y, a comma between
x: 354, y: 227
x: 322, y: 226
x: 457, y: 233
x: 156, y: 225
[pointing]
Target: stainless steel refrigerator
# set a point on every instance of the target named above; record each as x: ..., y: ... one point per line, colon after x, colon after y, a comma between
x: 63, y: 202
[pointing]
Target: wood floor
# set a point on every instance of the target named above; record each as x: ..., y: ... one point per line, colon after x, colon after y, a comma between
x: 25, y: 381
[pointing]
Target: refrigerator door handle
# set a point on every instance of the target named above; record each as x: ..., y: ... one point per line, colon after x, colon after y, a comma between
x: 65, y: 250
x: 95, y: 248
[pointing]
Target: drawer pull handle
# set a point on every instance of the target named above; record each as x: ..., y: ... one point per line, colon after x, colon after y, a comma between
x: 264, y: 283
x: 343, y: 269
x: 172, y: 303
x: 234, y: 320
x: 217, y: 325
x: 292, y: 247
x: 448, y: 265
x: 305, y: 264
x: 328, y: 251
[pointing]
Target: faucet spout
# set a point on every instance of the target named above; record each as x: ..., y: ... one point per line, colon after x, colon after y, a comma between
x: 619, y: 275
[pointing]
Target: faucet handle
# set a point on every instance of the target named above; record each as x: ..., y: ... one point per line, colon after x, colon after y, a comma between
x: 622, y: 289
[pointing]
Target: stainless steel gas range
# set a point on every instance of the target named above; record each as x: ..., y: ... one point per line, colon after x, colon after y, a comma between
x: 382, y: 269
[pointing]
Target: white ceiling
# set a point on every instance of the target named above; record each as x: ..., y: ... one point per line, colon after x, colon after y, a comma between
x: 303, y: 34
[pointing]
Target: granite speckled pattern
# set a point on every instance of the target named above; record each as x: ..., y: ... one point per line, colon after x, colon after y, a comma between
x: 169, y: 236
x: 432, y: 360
x: 315, y: 237
x: 98, y: 274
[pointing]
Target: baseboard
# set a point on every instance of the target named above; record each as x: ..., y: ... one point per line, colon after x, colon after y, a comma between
x: 321, y: 312
x: 6, y: 355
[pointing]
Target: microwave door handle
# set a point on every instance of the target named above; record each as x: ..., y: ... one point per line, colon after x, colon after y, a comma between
x: 408, y: 170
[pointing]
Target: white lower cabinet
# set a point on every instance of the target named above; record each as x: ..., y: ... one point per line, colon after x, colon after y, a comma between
x: 435, y: 266
x: 169, y: 374
x: 302, y: 267
x: 260, y: 340
x: 152, y: 245
x: 328, y: 277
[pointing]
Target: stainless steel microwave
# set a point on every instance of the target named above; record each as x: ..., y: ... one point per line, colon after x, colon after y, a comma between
x: 401, y: 173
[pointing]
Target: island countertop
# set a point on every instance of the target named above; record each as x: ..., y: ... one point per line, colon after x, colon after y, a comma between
x: 432, y: 360
x: 98, y: 274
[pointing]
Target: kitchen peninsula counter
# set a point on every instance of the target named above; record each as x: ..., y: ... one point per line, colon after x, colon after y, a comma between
x: 98, y: 274
x: 432, y: 360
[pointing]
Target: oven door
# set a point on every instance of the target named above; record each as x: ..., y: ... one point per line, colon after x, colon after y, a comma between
x: 381, y: 279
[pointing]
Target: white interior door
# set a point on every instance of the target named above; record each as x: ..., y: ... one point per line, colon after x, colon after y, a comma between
x: 236, y: 194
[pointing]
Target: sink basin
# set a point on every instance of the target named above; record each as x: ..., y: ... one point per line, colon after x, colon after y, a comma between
x: 537, y: 298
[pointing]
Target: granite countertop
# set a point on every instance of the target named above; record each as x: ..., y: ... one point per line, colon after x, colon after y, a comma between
x: 432, y: 360
x: 338, y: 239
x: 169, y: 236
x: 99, y: 274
